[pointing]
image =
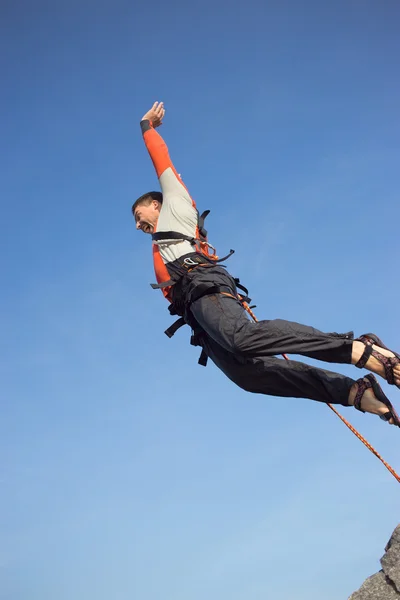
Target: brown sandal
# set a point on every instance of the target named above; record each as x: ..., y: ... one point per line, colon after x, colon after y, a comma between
x: 369, y: 381
x: 388, y: 362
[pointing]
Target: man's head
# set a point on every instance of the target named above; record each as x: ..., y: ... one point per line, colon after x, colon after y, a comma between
x: 146, y: 211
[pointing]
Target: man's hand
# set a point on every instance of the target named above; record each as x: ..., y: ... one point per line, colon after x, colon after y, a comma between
x: 155, y: 114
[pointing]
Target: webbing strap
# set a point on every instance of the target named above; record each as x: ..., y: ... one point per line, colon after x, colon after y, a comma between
x: 164, y: 284
x: 174, y: 327
x: 206, y: 290
x: 219, y: 260
x: 203, y: 358
x: 172, y: 235
x: 200, y: 224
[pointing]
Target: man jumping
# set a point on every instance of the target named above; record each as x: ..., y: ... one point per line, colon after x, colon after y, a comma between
x: 206, y: 297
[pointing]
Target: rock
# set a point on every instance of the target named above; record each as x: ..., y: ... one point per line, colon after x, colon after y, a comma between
x: 384, y: 585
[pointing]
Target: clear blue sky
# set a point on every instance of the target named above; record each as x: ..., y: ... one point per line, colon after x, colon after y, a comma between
x: 128, y: 471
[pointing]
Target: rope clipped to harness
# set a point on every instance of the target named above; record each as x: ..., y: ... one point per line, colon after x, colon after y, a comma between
x: 352, y: 429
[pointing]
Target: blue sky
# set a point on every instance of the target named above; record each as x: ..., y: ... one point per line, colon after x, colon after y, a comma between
x: 128, y: 471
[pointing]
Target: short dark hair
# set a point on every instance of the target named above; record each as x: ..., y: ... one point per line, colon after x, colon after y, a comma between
x: 147, y: 199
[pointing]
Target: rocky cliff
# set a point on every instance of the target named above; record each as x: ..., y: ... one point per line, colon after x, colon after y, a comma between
x: 384, y: 585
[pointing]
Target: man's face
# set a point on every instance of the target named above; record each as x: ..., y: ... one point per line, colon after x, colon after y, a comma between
x: 146, y: 217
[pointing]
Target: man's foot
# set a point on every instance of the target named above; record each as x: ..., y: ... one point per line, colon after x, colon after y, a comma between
x: 376, y: 358
x: 366, y: 395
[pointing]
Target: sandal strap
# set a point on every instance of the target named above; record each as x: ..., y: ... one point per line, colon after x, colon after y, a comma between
x: 366, y: 339
x: 372, y: 338
x: 381, y: 396
x: 365, y: 355
x: 388, y: 362
x: 363, y: 384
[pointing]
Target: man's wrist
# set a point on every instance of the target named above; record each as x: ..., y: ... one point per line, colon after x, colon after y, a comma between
x: 145, y: 125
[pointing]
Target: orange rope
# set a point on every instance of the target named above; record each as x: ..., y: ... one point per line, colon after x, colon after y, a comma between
x: 356, y: 433
x: 366, y: 443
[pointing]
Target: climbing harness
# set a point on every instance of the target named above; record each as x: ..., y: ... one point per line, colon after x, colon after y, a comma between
x: 204, y: 253
x: 203, y: 256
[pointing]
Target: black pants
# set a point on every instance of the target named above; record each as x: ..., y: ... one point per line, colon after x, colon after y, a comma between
x: 245, y: 350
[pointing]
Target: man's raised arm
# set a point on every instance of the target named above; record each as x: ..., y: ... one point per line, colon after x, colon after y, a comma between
x: 155, y: 144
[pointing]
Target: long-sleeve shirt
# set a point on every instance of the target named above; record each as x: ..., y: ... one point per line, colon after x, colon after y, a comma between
x: 178, y: 211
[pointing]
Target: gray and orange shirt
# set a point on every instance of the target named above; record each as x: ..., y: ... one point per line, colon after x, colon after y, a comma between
x: 178, y: 210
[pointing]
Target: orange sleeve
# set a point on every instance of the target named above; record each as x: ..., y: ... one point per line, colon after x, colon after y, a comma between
x: 158, y: 150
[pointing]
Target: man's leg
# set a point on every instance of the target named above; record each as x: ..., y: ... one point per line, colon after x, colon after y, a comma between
x: 268, y: 338
x: 278, y: 377
x: 227, y: 323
